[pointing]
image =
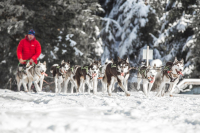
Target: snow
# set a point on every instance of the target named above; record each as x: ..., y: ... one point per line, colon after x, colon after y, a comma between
x: 64, y: 51
x: 22, y: 112
x: 56, y: 49
x: 3, y: 62
x: 53, y: 55
x: 78, y: 52
x: 41, y: 56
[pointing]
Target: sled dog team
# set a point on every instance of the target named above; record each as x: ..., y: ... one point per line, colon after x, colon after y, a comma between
x: 109, y: 73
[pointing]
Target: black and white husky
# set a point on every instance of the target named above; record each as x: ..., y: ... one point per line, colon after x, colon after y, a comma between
x: 21, y: 77
x: 87, y: 75
x: 117, y: 72
x: 170, y: 75
x: 59, y: 72
x: 147, y: 75
x: 35, y: 74
x: 102, y: 76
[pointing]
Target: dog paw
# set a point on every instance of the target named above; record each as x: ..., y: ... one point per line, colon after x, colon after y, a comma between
x: 127, y: 94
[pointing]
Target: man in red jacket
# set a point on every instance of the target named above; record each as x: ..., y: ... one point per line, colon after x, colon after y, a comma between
x: 28, y: 49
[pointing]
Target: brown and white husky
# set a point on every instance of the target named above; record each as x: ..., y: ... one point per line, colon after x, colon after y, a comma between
x: 119, y: 72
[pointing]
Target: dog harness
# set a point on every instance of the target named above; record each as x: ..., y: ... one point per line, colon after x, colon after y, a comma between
x: 36, y: 72
x: 168, y: 69
x: 171, y: 79
x: 86, y: 68
x: 143, y: 72
x: 113, y: 65
x: 61, y: 73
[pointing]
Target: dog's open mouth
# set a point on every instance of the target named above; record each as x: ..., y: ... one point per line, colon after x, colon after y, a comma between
x: 151, y: 79
x: 122, y: 74
x: 179, y: 72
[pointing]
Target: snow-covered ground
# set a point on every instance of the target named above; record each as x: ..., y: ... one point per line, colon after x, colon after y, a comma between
x: 22, y: 112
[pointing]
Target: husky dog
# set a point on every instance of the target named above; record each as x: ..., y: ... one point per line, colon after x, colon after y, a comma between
x: 147, y: 74
x: 102, y: 75
x: 119, y: 72
x: 35, y: 74
x: 21, y: 76
x: 59, y: 72
x: 87, y: 75
x: 69, y: 77
x: 171, y: 75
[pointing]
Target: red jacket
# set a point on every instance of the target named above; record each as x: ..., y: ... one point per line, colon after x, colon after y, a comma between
x: 27, y: 49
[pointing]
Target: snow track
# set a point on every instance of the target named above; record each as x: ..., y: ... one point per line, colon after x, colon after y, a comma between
x: 22, y: 112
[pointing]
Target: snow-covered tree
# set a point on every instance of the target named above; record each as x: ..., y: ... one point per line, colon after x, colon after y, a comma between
x: 66, y: 29
x: 175, y: 29
x: 192, y: 46
x: 126, y: 27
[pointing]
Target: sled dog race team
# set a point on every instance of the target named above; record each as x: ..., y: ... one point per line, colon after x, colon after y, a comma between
x: 32, y: 72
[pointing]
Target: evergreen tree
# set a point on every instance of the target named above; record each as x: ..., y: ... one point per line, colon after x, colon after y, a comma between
x: 192, y: 47
x: 66, y: 30
x: 126, y: 29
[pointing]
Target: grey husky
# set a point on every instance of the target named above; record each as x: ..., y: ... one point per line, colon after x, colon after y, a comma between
x: 147, y: 75
x: 31, y: 74
x: 21, y: 77
x: 171, y: 75
x: 36, y: 74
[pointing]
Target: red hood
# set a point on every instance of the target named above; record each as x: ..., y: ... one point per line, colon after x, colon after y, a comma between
x: 26, y: 37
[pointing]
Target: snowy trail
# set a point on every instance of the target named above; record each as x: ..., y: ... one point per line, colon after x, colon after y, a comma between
x: 22, y: 112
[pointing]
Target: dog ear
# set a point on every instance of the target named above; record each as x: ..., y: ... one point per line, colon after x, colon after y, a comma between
x: 175, y: 60
x: 127, y: 61
x: 62, y: 62
x: 182, y: 60
x: 154, y: 66
x: 68, y: 61
x: 28, y: 64
x: 39, y: 62
x: 99, y: 62
x: 44, y: 62
x: 91, y: 63
x: 118, y: 59
x: 112, y: 60
x: 106, y: 59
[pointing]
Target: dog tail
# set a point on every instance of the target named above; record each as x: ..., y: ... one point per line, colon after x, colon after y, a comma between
x: 53, y: 69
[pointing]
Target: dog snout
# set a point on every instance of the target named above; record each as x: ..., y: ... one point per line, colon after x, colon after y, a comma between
x: 94, y: 71
x: 180, y: 69
x: 153, y: 75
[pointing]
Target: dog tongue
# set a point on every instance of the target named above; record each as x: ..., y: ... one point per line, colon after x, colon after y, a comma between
x: 180, y: 73
x: 122, y: 74
x: 93, y: 75
x: 152, y: 80
x: 43, y: 73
